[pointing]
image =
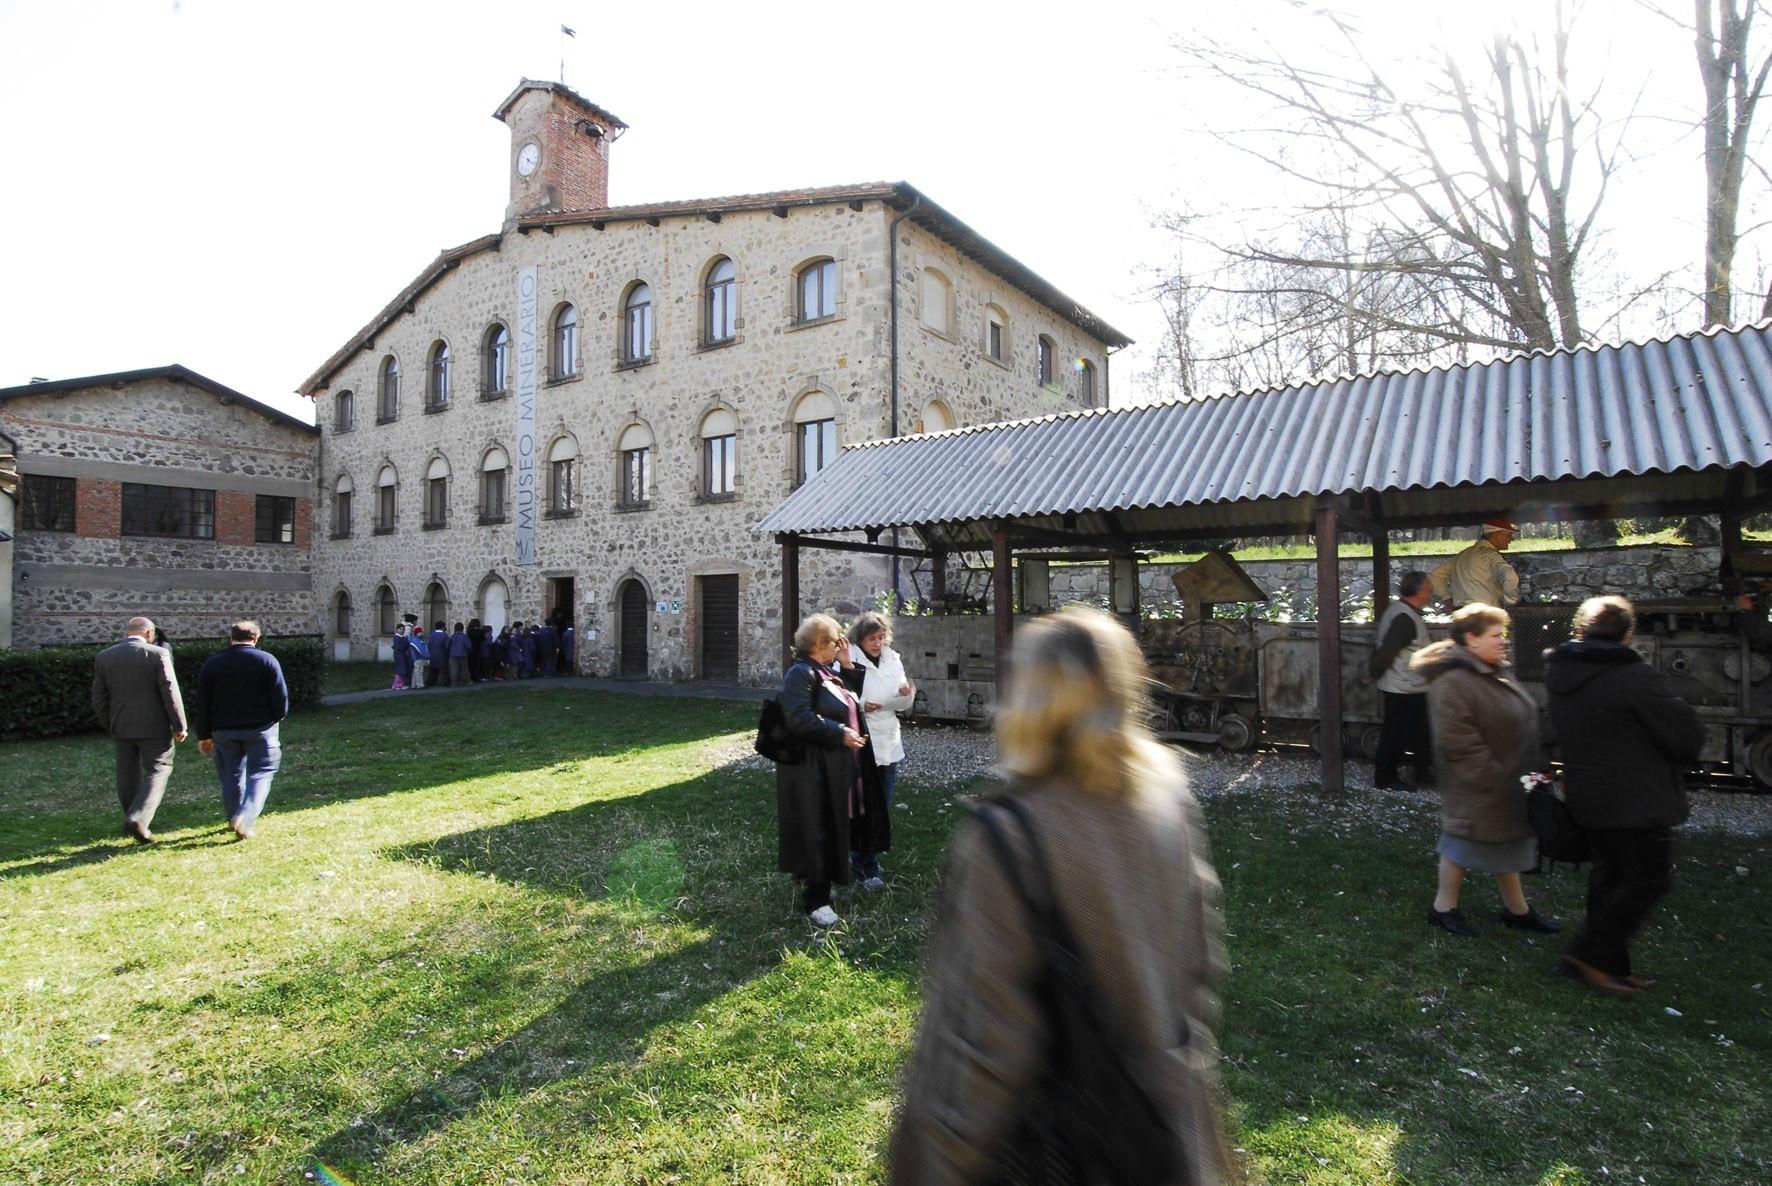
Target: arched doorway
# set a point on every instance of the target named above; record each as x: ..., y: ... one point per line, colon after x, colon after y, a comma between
x: 635, y: 623
x: 495, y: 604
x: 436, y: 605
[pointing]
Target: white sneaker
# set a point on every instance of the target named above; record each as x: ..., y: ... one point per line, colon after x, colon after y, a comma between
x: 824, y: 916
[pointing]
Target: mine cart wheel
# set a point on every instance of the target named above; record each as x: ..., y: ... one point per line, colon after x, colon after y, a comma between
x: 1759, y: 759
x: 1369, y: 737
x: 1235, y: 733
x: 1315, y: 740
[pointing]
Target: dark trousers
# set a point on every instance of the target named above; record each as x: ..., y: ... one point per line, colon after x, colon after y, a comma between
x: 815, y: 894
x: 1405, y: 731
x: 1633, y: 870
x: 144, y: 765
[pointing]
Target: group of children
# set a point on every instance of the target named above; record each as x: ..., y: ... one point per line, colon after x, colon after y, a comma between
x: 474, y: 653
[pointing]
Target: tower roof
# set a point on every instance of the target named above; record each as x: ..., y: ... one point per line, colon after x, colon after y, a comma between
x: 565, y: 92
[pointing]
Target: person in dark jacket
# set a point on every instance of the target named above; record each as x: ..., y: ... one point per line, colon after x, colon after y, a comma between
x: 241, y: 700
x: 830, y: 803
x: 1485, y: 736
x: 135, y: 697
x: 402, y: 658
x: 546, y: 640
x: 438, y: 645
x: 1624, y: 737
x: 476, y: 651
x: 459, y: 649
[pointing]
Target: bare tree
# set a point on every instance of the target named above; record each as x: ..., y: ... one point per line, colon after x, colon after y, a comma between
x: 1733, y: 85
x: 1470, y: 202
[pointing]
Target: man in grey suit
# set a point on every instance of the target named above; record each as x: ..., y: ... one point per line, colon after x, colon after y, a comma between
x: 135, y: 696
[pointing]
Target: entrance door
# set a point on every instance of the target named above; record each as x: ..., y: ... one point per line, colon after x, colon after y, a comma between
x: 634, y: 623
x: 557, y: 602
x: 718, y: 613
x: 495, y: 610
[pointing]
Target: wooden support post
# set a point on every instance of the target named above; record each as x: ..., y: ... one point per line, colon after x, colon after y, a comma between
x: 1381, y: 572
x: 790, y: 599
x: 1002, y: 602
x: 1329, y: 645
x: 938, y: 581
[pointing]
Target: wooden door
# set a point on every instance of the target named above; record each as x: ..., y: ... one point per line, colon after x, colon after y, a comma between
x: 718, y: 613
x: 635, y: 619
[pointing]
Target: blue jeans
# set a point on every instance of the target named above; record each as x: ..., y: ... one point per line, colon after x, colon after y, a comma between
x: 245, y: 760
x: 867, y: 864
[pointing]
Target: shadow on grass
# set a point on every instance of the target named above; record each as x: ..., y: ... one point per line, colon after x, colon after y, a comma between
x: 696, y: 852
x: 386, y: 747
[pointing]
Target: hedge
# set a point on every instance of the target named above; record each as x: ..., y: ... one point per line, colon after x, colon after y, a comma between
x: 48, y: 692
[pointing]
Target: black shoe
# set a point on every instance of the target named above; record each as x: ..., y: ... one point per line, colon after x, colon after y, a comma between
x: 1452, y: 922
x: 1530, y: 921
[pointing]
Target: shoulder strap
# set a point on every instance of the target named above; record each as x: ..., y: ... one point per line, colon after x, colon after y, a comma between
x: 986, y: 814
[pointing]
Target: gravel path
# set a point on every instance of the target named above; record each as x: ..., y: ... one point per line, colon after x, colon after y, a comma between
x: 942, y: 755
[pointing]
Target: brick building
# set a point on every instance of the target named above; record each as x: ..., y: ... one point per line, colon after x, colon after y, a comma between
x: 586, y: 412
x: 157, y: 492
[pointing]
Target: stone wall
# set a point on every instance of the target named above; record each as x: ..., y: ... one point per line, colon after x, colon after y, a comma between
x: 81, y: 585
x: 1640, y: 573
x: 678, y: 536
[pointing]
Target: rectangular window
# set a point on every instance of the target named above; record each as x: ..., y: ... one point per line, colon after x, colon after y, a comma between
x: 168, y: 510
x: 341, y: 515
x: 563, y: 486
x: 722, y: 311
x: 993, y: 345
x: 638, y: 347
x: 275, y: 520
x: 818, y: 291
x: 436, y: 502
x: 384, y: 508
x: 1043, y: 363
x: 492, y: 496
x: 49, y: 503
x: 636, y: 476
x: 719, y: 455
x: 818, y: 446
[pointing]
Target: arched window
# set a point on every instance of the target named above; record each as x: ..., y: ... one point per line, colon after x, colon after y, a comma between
x: 387, y: 483
x: 437, y: 378
x: 936, y: 298
x: 719, y: 454
x: 341, y: 507
x: 387, y: 610
x: 635, y: 448
x: 494, y: 470
x: 437, y: 494
x: 565, y: 356
x: 344, y: 412
x: 936, y: 417
x: 437, y: 607
x: 388, y: 406
x: 495, y: 360
x: 1086, y: 382
x: 996, y: 334
x: 816, y: 286
x: 815, y: 433
x: 636, y: 324
x: 720, y: 304
x: 563, y: 477
x: 341, y: 614
x: 1043, y: 362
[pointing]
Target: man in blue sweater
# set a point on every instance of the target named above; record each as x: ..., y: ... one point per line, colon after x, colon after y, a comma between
x: 241, y: 698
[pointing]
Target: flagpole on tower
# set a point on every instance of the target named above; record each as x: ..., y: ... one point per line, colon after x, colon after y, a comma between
x: 564, y: 34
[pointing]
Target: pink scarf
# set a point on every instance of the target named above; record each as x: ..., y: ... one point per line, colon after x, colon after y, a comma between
x: 857, y: 802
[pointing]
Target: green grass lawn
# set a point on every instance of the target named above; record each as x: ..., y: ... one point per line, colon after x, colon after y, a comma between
x: 356, y: 677
x: 535, y: 938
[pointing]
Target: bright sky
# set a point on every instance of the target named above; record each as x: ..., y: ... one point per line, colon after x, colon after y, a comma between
x: 239, y: 186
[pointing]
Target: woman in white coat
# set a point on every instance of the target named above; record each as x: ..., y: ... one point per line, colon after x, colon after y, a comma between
x: 886, y: 691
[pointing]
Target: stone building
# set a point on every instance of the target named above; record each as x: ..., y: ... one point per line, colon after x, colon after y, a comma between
x: 586, y: 412
x: 157, y: 492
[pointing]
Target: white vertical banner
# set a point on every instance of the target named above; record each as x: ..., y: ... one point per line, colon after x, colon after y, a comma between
x: 528, y: 487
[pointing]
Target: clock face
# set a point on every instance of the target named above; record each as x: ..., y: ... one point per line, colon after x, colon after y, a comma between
x: 528, y: 157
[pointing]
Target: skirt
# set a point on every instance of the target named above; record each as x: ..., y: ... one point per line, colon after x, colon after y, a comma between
x: 1501, y: 856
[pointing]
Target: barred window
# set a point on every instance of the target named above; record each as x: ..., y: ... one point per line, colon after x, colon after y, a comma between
x: 168, y: 510
x: 275, y: 520
x: 49, y: 503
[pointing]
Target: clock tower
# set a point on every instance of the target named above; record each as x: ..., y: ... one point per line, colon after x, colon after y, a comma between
x: 559, y: 149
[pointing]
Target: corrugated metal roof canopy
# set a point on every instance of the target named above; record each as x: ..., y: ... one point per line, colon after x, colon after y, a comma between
x: 1590, y: 432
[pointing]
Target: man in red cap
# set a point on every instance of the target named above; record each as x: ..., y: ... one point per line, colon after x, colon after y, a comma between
x: 1480, y: 574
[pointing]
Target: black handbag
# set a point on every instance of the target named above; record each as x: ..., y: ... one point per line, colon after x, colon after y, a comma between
x: 775, y: 740
x: 1560, y: 838
x: 1087, y: 1119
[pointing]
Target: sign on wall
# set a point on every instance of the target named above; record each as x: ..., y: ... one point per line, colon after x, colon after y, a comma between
x: 527, y: 491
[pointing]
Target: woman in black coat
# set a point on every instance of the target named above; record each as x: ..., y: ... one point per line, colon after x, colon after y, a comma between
x: 830, y: 803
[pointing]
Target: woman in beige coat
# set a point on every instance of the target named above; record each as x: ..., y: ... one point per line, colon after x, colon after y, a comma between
x: 1485, y: 730
x: 1125, y: 849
